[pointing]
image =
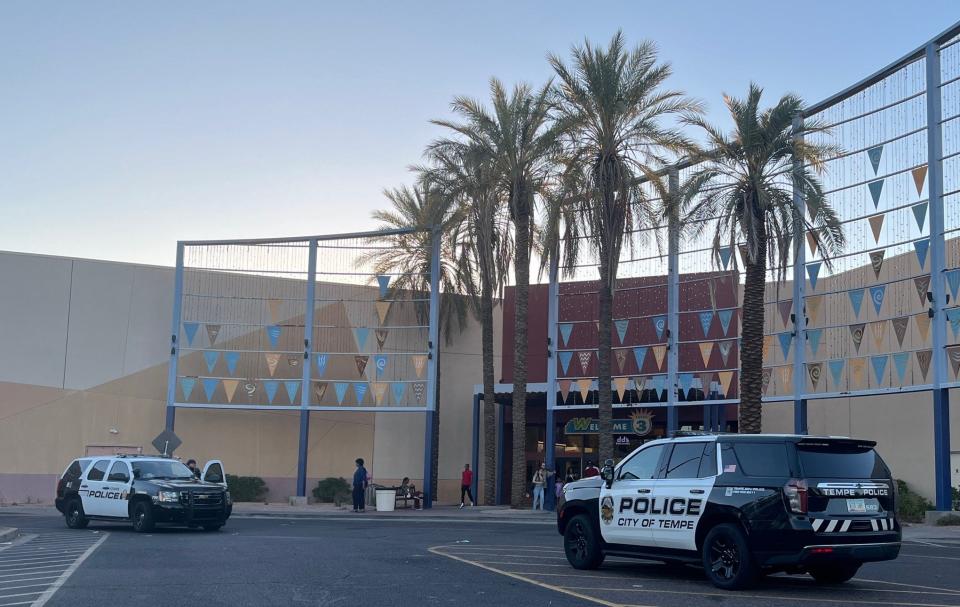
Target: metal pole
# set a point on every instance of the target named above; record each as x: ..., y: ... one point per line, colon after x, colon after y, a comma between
x: 305, y: 377
x: 941, y: 395
x: 433, y: 353
x: 799, y: 286
x: 553, y: 305
x: 501, y: 452
x: 174, y: 339
x: 673, y: 300
x: 475, y: 455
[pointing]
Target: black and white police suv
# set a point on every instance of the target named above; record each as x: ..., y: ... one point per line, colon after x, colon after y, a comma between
x: 742, y: 505
x: 144, y: 490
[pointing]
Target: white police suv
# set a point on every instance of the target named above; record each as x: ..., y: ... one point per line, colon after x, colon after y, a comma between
x: 740, y: 505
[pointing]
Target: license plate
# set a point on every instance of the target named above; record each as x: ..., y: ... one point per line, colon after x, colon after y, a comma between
x: 856, y: 506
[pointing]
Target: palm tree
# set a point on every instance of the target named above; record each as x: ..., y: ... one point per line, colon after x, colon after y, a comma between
x: 408, y: 256
x: 520, y: 139
x: 612, y: 107
x: 747, y: 181
x: 464, y: 172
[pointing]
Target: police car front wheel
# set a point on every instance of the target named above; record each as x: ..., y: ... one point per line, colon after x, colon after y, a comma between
x: 142, y: 517
x: 582, y: 543
x: 727, y: 559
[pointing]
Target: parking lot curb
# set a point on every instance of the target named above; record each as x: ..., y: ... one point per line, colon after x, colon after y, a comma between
x: 374, y: 517
x: 8, y: 534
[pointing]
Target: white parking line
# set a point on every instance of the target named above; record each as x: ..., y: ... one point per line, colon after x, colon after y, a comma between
x: 10, y: 596
x: 21, y: 587
x: 45, y: 570
x: 66, y: 574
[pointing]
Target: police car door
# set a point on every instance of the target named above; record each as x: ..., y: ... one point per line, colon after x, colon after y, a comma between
x: 116, y: 490
x: 92, y: 488
x: 625, y: 505
x: 681, y: 493
x: 213, y: 473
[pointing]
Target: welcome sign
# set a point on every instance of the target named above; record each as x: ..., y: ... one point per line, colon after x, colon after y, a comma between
x: 640, y: 423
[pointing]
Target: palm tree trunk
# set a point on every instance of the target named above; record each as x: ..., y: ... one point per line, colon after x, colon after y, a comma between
x: 605, y: 393
x: 522, y: 275
x: 489, y: 398
x: 751, y: 349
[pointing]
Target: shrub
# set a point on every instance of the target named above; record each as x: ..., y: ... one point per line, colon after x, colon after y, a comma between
x: 948, y: 520
x: 911, y: 507
x: 246, y: 488
x: 330, y: 489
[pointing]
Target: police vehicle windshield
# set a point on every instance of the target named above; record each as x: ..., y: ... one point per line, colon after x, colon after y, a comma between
x: 166, y: 470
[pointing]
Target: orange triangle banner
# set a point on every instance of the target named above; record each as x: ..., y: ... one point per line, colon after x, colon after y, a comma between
x: 379, y: 391
x: 876, y: 224
x: 564, y: 390
x: 919, y: 175
x: 274, y: 305
x: 813, y: 307
x: 813, y: 242
x: 272, y: 361
x: 725, y: 378
x: 879, y: 330
x: 858, y: 370
x: 230, y: 387
x: 383, y: 308
x: 419, y: 364
x: 923, y: 325
x: 767, y: 340
x: 659, y: 352
x: 584, y: 385
x: 706, y: 349
x: 621, y: 384
x: 786, y: 378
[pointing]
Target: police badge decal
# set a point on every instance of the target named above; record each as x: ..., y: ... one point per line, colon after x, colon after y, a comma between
x: 606, y: 509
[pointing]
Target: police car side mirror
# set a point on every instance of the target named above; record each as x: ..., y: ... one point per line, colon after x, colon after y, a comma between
x: 607, y: 473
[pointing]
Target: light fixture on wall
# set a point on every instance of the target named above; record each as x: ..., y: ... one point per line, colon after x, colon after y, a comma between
x: 113, y: 430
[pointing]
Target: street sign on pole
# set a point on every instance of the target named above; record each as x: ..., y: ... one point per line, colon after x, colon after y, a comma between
x: 166, y: 442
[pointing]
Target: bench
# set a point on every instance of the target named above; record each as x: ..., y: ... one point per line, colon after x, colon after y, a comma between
x: 406, y: 499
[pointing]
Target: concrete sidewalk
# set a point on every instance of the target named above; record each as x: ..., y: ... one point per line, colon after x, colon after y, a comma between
x: 8, y: 534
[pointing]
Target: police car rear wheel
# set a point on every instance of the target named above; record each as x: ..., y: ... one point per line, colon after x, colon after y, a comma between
x: 74, y: 515
x: 836, y: 573
x: 727, y: 559
x: 142, y: 518
x: 581, y: 544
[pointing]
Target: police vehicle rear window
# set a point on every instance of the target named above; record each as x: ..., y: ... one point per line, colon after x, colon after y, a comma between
x: 848, y: 463
x: 756, y: 459
x: 74, y: 471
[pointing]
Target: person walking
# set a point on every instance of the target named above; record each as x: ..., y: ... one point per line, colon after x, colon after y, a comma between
x: 539, y: 482
x: 591, y: 470
x: 359, y: 486
x: 466, y: 482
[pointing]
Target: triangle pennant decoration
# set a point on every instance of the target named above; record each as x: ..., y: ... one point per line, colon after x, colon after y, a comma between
x: 814, y: 370
x: 876, y: 224
x: 292, y: 387
x: 273, y: 334
x: 399, y: 390
x: 919, y: 175
x: 321, y: 364
x: 564, y: 390
x: 419, y: 389
x: 706, y: 319
x: 953, y: 281
x: 767, y: 340
x: 813, y: 307
x: 621, y: 356
x: 879, y: 367
x: 923, y: 359
x: 190, y: 330
x: 785, y: 307
x: 230, y: 388
x: 640, y: 383
x: 383, y: 308
x: 725, y: 317
x: 920, y: 214
x: 813, y: 271
x: 953, y: 317
x: 585, y: 358
x: 360, y: 389
x: 639, y: 354
x: 659, y: 324
x: 765, y: 379
x: 379, y: 391
x: 565, y: 361
x: 786, y: 378
x: 584, y: 385
x: 271, y: 387
x: 341, y: 390
x: 813, y: 336
x: 876, y: 296
x: 922, y: 283
x: 786, y: 339
x: 320, y: 390
x: 876, y: 187
x: 724, y: 253
x: 686, y: 381
x: 186, y: 385
x: 273, y: 359
x: 622, y: 325
x: 856, y: 333
x: 706, y: 349
x: 211, y: 357
x: 273, y: 305
x: 725, y: 347
x: 875, y: 153
x: 419, y: 364
x: 361, y: 336
x: 232, y: 359
x: 212, y: 332
x: 858, y: 372
x: 566, y: 329
x: 744, y: 253
x: 725, y: 378
x: 658, y: 353
x: 621, y: 385
x: 953, y: 355
x: 921, y: 247
x: 900, y: 328
x: 381, y: 335
x: 813, y: 242
x: 836, y: 370
x: 879, y: 331
x: 900, y: 360
x: 384, y: 282
x: 856, y: 300
x: 380, y: 363
x: 923, y: 325
x: 210, y: 386
x: 876, y: 261
x: 361, y: 362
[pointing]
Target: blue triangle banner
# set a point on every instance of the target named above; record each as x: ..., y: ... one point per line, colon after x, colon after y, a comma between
x: 856, y: 300
x: 879, y: 367
x: 686, y: 381
x: 660, y: 324
x: 187, y: 384
x: 232, y: 359
x: 813, y: 271
x: 210, y: 386
x: 876, y: 187
x: 380, y: 361
x: 836, y: 368
x: 785, y: 340
x: 875, y: 153
x: 706, y: 319
x: 921, y: 247
x: 900, y: 360
x: 211, y: 357
x: 622, y: 325
x: 953, y: 316
x: 292, y: 387
x: 814, y: 336
x: 190, y: 329
x: 920, y: 214
x: 341, y: 389
x: 361, y: 336
x: 725, y: 316
x: 640, y: 354
x: 273, y: 332
x: 384, y: 282
x: 360, y: 388
x: 565, y: 361
x: 566, y: 328
x: 271, y: 386
x: 725, y: 253
x: 399, y: 388
x: 876, y: 296
x: 321, y: 363
x: 953, y: 280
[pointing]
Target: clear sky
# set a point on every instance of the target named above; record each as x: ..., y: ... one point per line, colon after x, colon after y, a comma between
x: 125, y: 126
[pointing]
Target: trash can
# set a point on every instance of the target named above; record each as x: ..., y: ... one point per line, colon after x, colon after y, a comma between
x: 386, y: 500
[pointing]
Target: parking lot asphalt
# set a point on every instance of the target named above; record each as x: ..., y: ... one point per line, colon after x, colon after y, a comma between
x: 406, y: 562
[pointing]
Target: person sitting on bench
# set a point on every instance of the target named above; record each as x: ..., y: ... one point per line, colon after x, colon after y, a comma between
x: 409, y: 491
